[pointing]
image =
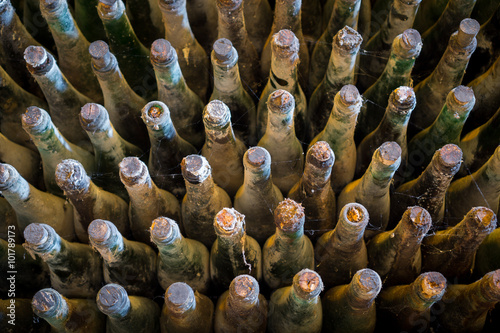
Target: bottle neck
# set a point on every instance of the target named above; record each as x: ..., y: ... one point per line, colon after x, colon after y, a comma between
x: 341, y: 123
x: 158, y: 133
x: 347, y: 235
x: 112, y: 249
x: 434, y: 181
x: 177, y: 28
x: 233, y: 246
x: 17, y: 190
x: 289, y: 238
x: 315, y: 179
x: 298, y: 305
x: 201, y: 193
x: 394, y: 124
x: 169, y: 77
x: 112, y: 81
x: 85, y: 198
x: 357, y: 297
x: 489, y: 173
x: 287, y: 15
x: 226, y: 75
x: 284, y: 72
x: 54, y: 85
x: 55, y: 251
x: 414, y: 300
x: 377, y: 179
x: 478, y: 296
x: 144, y: 196
x: 280, y: 127
x: 58, y: 315
x: 397, y: 71
x: 62, y: 25
x: 259, y: 180
x: 222, y: 135
x: 240, y: 307
x: 47, y: 138
x: 174, y: 246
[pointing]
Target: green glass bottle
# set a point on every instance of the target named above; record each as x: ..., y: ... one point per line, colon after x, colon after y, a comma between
x: 192, y: 57
x: 286, y: 16
x: 284, y: 75
x: 452, y: 251
x: 180, y: 259
x: 429, y: 189
x: 88, y: 21
x: 52, y: 146
x: 63, y: 99
x: 241, y: 308
x: 203, y: 199
x: 350, y: 308
x: 297, y: 308
x: 109, y: 147
x: 131, y: 54
x: 397, y: 72
x: 314, y: 192
x: 229, y: 89
x: 127, y: 263
x: 446, y: 129
x: 339, y: 134
x: 341, y: 252
x: 344, y: 15
x: 234, y: 252
x: 448, y: 73
x: 68, y: 315
x: 232, y: 26
x: 14, y: 101
x: 487, y: 255
x: 465, y: 307
x: 222, y: 149
x: 89, y: 201
x: 287, y: 251
x: 407, y: 308
x: 167, y: 148
x: 372, y: 189
x: 186, y: 311
x: 340, y: 72
x: 75, y: 269
x: 127, y: 313
x: 287, y: 156
x: 121, y: 102
x: 71, y: 47
x: 392, y: 127
x: 186, y: 108
x: 34, y: 206
x: 258, y: 197
x: 147, y: 201
x: 395, y: 254
x: 24, y: 160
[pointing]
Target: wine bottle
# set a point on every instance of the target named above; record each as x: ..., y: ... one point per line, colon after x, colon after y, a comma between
x: 258, y: 197
x: 24, y: 160
x: 179, y: 259
x: 222, y: 149
x: 395, y: 254
x: 34, y: 206
x: 186, y: 311
x: 452, y: 251
x: 75, y: 269
x: 372, y: 189
x: 127, y: 313
x: 241, y: 308
x: 127, y: 263
x: 341, y: 252
x: 147, y: 201
x: 287, y: 156
x: 314, y: 192
x: 234, y: 252
x: 167, y: 148
x: 351, y: 307
x: 287, y: 251
x: 297, y: 308
x: 89, y: 201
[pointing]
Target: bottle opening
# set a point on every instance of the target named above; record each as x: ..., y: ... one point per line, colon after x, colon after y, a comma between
x: 354, y: 214
x: 419, y: 217
x: 228, y: 221
x: 33, y: 117
x: 244, y: 287
x: 367, y: 283
x: 321, y: 155
x: 71, y: 176
x: 99, y: 231
x: 179, y: 297
x: 257, y: 157
x: 155, y: 113
x: 162, y: 52
x: 467, y: 31
x: 349, y: 95
x: 101, y: 56
x: 463, y: 95
x: 411, y: 39
x: 403, y: 99
x: 161, y: 229
x: 36, y: 234
x: 289, y: 215
x: 37, y: 59
x: 307, y: 283
x: 46, y: 301
x: 450, y: 156
x: 348, y: 39
x: 216, y: 114
x: 195, y: 168
x: 431, y: 285
x: 390, y: 152
x: 281, y: 101
x: 112, y: 298
x: 485, y: 217
x: 285, y: 43
x: 133, y: 171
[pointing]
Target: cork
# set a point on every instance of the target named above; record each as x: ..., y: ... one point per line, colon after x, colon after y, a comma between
x: 320, y: 155
x: 402, y: 100
x: 71, y: 176
x: 281, y: 101
x: 257, y: 157
x: 490, y: 286
x: 389, y: 152
x: 228, y: 221
x: 155, y: 113
x: 34, y: 119
x: 35, y: 234
x: 482, y: 219
x: 450, y: 157
x: 162, y: 52
x: 46, y: 302
x: 284, y: 44
x: 366, y: 284
x: 307, y: 284
x: 430, y: 286
x: 93, y: 117
x: 195, y: 169
x: 38, y: 61
x: 229, y: 5
x: 179, y: 297
x: 289, y: 216
x: 460, y: 100
x: 244, y: 287
x: 112, y: 298
x: 216, y: 114
x: 161, y: 229
x: 419, y: 217
x: 50, y: 5
x: 467, y: 31
x: 349, y: 95
x: 409, y: 44
x: 224, y: 50
x: 347, y: 40
x: 133, y: 172
x: 99, y: 231
x: 100, y: 54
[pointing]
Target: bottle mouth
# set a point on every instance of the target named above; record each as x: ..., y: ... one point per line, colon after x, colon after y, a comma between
x: 162, y: 230
x: 460, y: 101
x: 93, y: 117
x: 307, y: 284
x: 484, y: 219
x: 403, y: 100
x: 366, y: 284
x: 108, y: 8
x: 228, y: 221
x: 133, y: 171
x: 389, y: 153
x: 450, y: 158
x: 8, y: 176
x: 490, y: 286
x: 409, y: 44
x: 155, y: 113
x: 99, y: 231
x: 289, y: 216
x: 257, y: 158
x: 36, y: 235
x: 162, y: 52
x: 195, y: 169
x: 112, y: 299
x: 224, y: 51
x: 179, y: 297
x: 320, y: 155
x: 285, y: 44
x: 467, y: 31
x: 420, y: 218
x: 348, y: 40
x: 71, y: 176
x: 430, y: 286
x: 355, y: 215
x: 50, y: 5
x: 244, y: 288
x: 102, y: 58
x: 216, y: 114
x: 47, y: 302
x: 281, y: 102
x: 38, y: 60
x: 35, y: 119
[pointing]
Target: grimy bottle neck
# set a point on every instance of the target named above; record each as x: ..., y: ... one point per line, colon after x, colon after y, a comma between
x: 362, y: 290
x: 72, y: 178
x: 177, y: 28
x: 348, y: 233
x: 318, y: 169
x: 113, y: 301
x: 217, y: 120
x: 483, y: 294
x: 104, y: 237
x: 342, y: 121
x: 257, y: 163
x: 280, y: 125
x: 13, y: 186
x: 46, y: 243
x: 345, y: 48
x: 229, y: 227
x: 225, y: 63
x: 287, y: 15
x: 231, y: 19
x: 289, y: 219
x: 166, y: 65
x: 42, y: 131
x: 61, y: 23
x: 304, y: 292
x: 142, y: 191
x: 197, y: 173
x: 166, y: 235
x: 344, y: 11
x: 180, y: 301
x: 156, y: 116
x: 410, y: 231
x: 51, y: 306
x: 95, y: 121
x: 393, y: 125
x: 427, y: 289
x: 243, y: 296
x: 285, y: 60
x: 489, y: 173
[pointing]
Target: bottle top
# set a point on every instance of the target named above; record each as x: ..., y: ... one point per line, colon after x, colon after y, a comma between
x: 216, y: 114
x: 307, y: 284
x: 348, y: 101
x: 107, y: 8
x: 449, y: 158
x: 244, y: 288
x: 133, y: 172
x: 224, y: 50
x: 179, y: 297
x: 195, y: 169
x: 461, y: 99
x: 93, y: 117
x: 39, y: 237
x: 112, y: 299
x: 228, y: 222
x: 38, y: 61
x: 102, y: 59
x: 481, y: 219
x: 419, y: 218
x: 430, y: 286
x: 100, y: 231
x: 281, y: 102
x: 366, y: 284
x: 355, y: 216
x: 320, y: 155
x: 409, y: 45
x: 467, y: 31
x: 50, y: 5
x: 162, y: 230
x: 162, y: 52
x: 490, y: 286
x: 8, y: 176
x: 257, y: 158
x: 155, y: 113
x: 35, y: 119
x: 347, y: 40
x: 285, y: 44
x: 229, y: 5
x: 402, y: 100
x: 389, y: 153
x: 71, y: 177
x: 289, y: 216
x: 47, y: 303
